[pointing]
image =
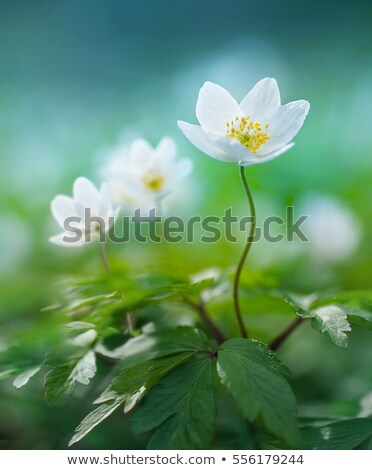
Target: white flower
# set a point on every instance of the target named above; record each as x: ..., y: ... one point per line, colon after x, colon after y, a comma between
x: 334, y: 232
x: 86, y: 204
x: 142, y: 173
x: 255, y: 131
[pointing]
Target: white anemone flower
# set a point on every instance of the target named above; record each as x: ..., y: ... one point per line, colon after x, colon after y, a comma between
x: 256, y: 130
x: 142, y: 173
x: 88, y: 213
x: 333, y: 230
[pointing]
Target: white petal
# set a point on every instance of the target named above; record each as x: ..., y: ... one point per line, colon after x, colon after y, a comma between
x: 183, y: 168
x: 86, y: 194
x: 132, y: 184
x: 141, y: 154
x: 179, y: 172
x: 62, y: 207
x: 80, y: 211
x: 237, y: 151
x: 266, y: 158
x: 215, y: 107
x: 110, y: 220
x: 263, y: 97
x: 165, y: 152
x: 201, y: 141
x: 118, y: 191
x: 64, y: 239
x: 284, y: 123
x: 106, y: 205
x: 116, y: 213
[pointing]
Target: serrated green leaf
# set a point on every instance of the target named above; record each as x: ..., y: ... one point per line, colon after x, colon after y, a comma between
x: 332, y: 321
x: 60, y: 381
x: 163, y: 354
x: 78, y: 327
x: 252, y: 374
x: 5, y: 374
x: 300, y: 303
x: 359, y: 298
x: 22, y: 379
x: 329, y: 319
x: 358, y: 316
x: 24, y: 355
x: 146, y: 374
x: 356, y: 304
x: 128, y: 388
x: 342, y: 435
x: 181, y: 407
x: 314, y: 421
x: 149, y: 346
x: 93, y: 419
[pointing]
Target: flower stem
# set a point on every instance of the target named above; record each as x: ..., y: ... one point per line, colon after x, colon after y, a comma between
x: 106, y: 264
x: 104, y: 257
x: 213, y: 328
x: 279, y: 340
x: 244, y: 255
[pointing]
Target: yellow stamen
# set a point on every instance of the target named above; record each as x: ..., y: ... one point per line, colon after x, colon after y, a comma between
x: 248, y: 133
x: 154, y: 181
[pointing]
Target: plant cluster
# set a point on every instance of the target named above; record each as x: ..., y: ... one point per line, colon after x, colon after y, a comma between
x: 171, y: 361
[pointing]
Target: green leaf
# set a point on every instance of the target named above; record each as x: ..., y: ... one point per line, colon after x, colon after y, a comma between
x: 332, y: 321
x: 342, y: 435
x: 149, y: 346
x: 93, y: 419
x: 360, y: 298
x: 78, y: 327
x: 127, y: 389
x: 253, y: 375
x: 366, y: 406
x: 163, y: 354
x: 329, y: 319
x: 300, y: 303
x: 358, y: 316
x: 145, y: 360
x: 145, y: 375
x: 60, y: 382
x: 332, y: 314
x: 22, y: 357
x: 22, y: 379
x: 181, y: 407
x: 5, y: 374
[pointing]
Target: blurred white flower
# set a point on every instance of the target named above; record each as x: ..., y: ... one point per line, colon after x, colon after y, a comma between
x: 142, y: 174
x: 266, y: 252
x: 333, y: 231
x: 255, y: 131
x: 91, y: 209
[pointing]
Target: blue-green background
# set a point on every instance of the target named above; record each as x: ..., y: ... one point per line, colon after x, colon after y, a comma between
x: 75, y: 76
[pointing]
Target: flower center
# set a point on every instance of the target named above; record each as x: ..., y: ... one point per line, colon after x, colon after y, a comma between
x: 249, y: 133
x: 154, y: 180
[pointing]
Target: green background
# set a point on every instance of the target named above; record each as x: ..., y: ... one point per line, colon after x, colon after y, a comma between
x: 76, y: 77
